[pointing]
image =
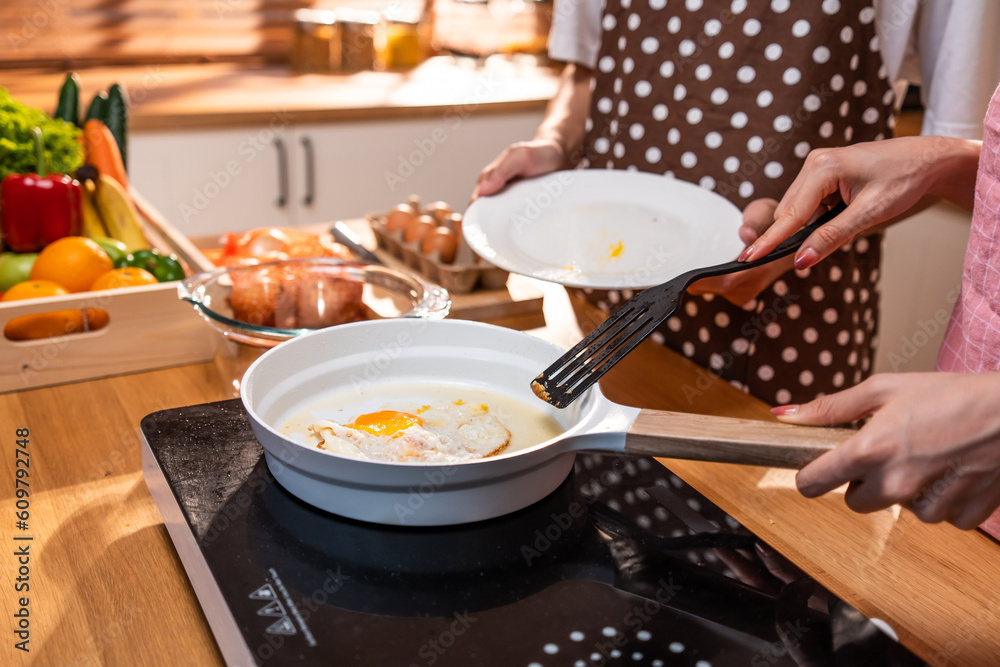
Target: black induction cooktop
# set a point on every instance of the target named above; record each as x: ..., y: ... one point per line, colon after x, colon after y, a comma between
x: 600, y: 572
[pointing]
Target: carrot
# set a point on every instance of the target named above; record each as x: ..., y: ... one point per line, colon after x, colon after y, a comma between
x: 102, y: 151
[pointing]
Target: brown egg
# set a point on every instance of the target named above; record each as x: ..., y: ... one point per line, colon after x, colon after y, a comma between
x: 439, y: 210
x: 398, y: 218
x: 419, y: 228
x: 441, y: 239
x: 455, y: 223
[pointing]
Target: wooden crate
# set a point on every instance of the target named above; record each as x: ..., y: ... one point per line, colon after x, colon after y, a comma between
x: 149, y: 326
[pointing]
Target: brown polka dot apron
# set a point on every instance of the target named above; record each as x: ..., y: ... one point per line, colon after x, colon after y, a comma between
x: 733, y: 96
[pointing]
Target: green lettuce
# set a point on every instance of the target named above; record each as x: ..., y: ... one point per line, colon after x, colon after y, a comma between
x: 63, y: 153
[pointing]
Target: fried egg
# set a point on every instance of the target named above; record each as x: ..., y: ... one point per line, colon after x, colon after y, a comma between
x: 440, y: 431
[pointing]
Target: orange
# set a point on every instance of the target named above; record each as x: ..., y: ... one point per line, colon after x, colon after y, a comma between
x: 74, y: 262
x: 54, y: 323
x: 30, y: 289
x: 128, y: 276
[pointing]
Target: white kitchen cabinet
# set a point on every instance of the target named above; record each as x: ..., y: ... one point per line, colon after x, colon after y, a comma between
x: 210, y: 181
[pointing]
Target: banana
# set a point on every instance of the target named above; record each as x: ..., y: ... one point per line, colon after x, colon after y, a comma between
x: 119, y: 214
x: 93, y: 226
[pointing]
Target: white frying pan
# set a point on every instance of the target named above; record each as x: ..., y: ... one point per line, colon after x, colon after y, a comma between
x: 389, y: 353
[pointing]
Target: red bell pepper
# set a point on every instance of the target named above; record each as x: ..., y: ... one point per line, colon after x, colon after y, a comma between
x: 36, y: 209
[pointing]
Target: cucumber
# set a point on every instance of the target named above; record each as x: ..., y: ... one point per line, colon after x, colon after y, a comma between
x: 98, y: 107
x: 116, y: 118
x: 68, y: 106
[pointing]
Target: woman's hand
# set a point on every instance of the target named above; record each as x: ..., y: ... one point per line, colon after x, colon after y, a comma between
x: 739, y: 288
x: 932, y: 444
x: 524, y: 159
x: 877, y: 180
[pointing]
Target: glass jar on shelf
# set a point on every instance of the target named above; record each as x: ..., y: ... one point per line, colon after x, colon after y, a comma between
x: 357, y: 37
x: 316, y: 41
x: 400, y: 40
x: 523, y: 24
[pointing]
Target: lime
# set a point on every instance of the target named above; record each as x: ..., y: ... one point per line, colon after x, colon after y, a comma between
x: 116, y: 249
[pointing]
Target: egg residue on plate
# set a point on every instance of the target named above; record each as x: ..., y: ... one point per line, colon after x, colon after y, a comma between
x: 440, y: 431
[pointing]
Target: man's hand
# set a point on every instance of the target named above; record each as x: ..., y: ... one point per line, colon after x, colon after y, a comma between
x: 558, y: 140
x: 524, y: 159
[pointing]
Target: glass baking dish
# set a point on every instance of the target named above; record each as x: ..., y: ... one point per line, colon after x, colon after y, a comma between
x: 258, y: 306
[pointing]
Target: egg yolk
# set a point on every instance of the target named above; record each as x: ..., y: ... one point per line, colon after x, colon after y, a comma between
x: 385, y: 422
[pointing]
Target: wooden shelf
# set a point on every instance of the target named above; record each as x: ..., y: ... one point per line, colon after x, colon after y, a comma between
x: 172, y: 97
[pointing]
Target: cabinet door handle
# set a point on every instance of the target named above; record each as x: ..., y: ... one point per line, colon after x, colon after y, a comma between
x: 307, y: 146
x: 282, y: 172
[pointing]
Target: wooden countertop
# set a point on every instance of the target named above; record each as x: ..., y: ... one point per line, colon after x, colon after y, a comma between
x: 223, y: 95
x: 107, y: 586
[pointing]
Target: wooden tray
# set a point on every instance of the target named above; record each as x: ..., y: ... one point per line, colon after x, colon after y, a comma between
x: 149, y: 326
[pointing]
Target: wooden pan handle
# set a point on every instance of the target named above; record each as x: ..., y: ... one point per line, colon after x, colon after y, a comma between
x: 679, y: 435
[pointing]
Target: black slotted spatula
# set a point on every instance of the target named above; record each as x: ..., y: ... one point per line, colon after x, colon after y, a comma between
x: 583, y: 365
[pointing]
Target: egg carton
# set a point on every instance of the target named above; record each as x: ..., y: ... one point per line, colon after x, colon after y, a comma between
x: 467, y: 273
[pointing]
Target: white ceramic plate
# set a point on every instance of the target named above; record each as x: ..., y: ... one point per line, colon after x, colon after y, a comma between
x: 601, y: 228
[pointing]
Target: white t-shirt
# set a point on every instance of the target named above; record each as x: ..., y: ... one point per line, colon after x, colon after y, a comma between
x: 945, y: 46
x: 575, y: 36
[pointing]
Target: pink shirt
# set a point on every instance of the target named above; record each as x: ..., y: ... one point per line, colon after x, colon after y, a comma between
x: 972, y: 341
